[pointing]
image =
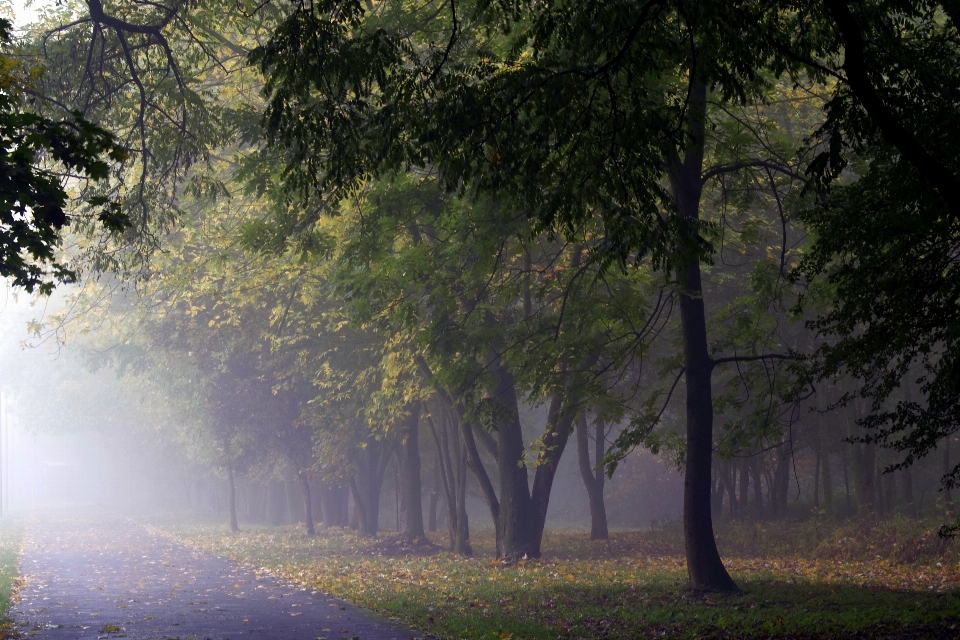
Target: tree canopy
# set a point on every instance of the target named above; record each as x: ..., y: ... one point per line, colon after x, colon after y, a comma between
x: 358, y: 220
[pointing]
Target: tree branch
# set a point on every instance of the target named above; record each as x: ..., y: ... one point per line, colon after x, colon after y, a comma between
x: 936, y: 174
x: 746, y: 164
x: 767, y: 356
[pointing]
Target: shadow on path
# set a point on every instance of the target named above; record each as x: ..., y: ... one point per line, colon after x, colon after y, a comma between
x: 85, y: 579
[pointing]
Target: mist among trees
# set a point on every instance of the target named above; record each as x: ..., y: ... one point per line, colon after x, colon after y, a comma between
x: 459, y: 277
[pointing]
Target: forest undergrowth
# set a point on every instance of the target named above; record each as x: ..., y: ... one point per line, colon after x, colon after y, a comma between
x: 11, y: 539
x: 863, y: 579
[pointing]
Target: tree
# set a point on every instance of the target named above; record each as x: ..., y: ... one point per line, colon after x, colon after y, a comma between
x: 38, y: 155
x: 887, y: 221
x: 563, y: 112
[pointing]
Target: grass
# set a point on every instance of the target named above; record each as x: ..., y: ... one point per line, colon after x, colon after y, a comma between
x: 629, y: 587
x: 11, y: 538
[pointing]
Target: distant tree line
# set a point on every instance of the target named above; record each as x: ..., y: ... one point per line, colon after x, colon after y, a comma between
x: 723, y: 231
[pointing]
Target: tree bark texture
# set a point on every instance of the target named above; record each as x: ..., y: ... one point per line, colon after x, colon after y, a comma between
x: 516, y: 528
x: 704, y: 567
x: 411, y: 488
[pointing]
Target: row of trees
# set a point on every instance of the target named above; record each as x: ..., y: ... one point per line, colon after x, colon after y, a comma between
x: 420, y: 218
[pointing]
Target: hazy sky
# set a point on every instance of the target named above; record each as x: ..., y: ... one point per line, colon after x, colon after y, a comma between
x: 25, y: 11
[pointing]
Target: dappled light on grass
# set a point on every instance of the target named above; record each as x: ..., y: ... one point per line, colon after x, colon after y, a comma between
x: 631, y: 586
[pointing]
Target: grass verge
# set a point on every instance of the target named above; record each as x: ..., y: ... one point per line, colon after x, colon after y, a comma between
x: 11, y: 539
x: 629, y: 587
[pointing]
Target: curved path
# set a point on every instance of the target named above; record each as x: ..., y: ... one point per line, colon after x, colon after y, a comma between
x: 85, y: 579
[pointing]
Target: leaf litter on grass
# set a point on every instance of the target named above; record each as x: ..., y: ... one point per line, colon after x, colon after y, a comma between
x: 630, y: 586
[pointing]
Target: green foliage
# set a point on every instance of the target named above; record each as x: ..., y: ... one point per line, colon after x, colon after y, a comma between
x: 887, y: 225
x: 38, y: 156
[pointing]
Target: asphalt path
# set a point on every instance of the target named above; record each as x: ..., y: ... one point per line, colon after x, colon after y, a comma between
x: 87, y: 579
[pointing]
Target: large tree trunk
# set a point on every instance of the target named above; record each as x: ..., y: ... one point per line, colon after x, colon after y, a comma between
x: 592, y: 476
x: 307, y: 502
x: 232, y: 501
x: 367, y: 483
x: 452, y: 472
x: 704, y: 567
x: 560, y: 418
x: 517, y: 525
x: 411, y: 489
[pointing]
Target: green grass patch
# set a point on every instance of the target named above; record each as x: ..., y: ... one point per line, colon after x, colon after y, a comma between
x: 11, y: 540
x: 629, y: 587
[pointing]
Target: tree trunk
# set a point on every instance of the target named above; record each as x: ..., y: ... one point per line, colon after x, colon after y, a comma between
x: 336, y: 501
x: 516, y: 529
x: 355, y: 513
x: 367, y: 484
x: 744, y: 488
x: 947, y: 495
x: 889, y: 482
x: 456, y: 451
x: 730, y: 473
x: 716, y: 496
x: 293, y: 510
x: 307, y: 502
x: 263, y: 503
x: 757, y: 488
x: 593, y: 477
x: 452, y: 470
x: 277, y: 504
x: 816, y: 471
x: 564, y: 405
x: 317, y: 495
x: 864, y: 475
x: 907, y: 489
x: 846, y: 481
x: 560, y: 418
x: 461, y: 540
x: 825, y: 473
x: 781, y: 484
x: 704, y: 567
x: 232, y: 501
x: 411, y: 489
x: 433, y: 509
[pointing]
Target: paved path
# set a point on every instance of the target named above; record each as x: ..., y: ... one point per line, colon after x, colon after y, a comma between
x: 114, y: 579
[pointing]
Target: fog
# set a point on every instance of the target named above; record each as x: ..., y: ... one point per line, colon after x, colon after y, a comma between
x: 79, y: 439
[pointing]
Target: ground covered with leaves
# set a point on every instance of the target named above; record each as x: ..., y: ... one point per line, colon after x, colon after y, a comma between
x: 860, y: 580
x: 11, y: 538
